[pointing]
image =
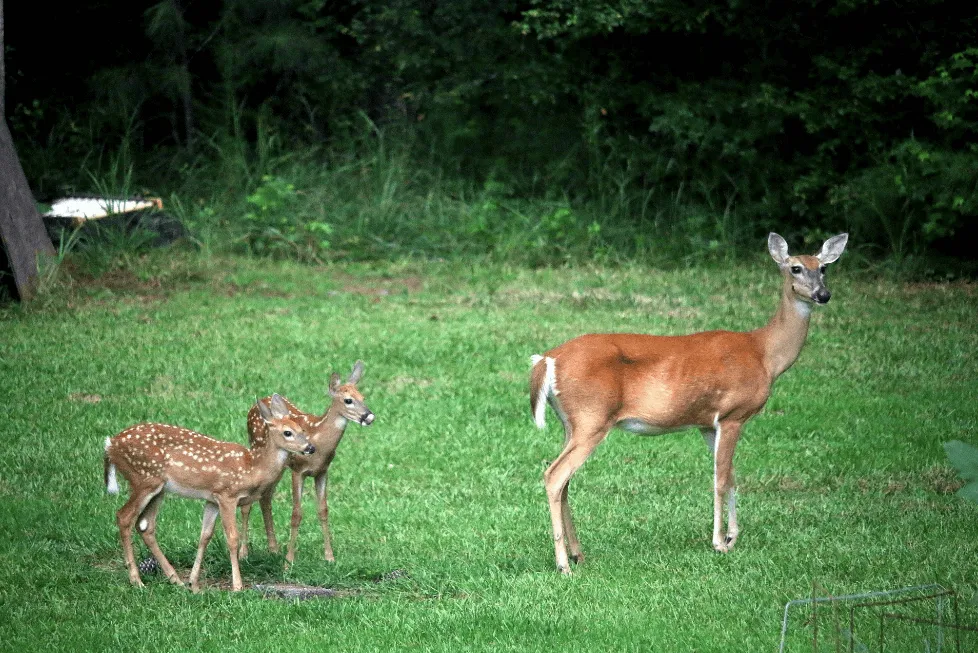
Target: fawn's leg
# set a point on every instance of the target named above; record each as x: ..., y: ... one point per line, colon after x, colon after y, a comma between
x: 245, y: 518
x: 297, y: 479
x: 229, y: 510
x: 140, y: 497
x: 323, y: 511
x: 147, y: 529
x: 266, y: 514
x: 206, y: 531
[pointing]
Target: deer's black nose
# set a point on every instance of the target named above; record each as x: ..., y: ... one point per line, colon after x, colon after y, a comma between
x: 310, y: 449
x: 822, y: 296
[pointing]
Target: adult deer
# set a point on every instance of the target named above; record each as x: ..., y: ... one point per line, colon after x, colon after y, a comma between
x: 325, y: 432
x: 714, y: 381
x: 157, y: 458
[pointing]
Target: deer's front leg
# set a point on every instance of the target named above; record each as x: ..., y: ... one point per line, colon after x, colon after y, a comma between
x: 323, y: 511
x: 229, y: 509
x: 265, y: 502
x: 297, y: 479
x: 724, y: 492
x: 245, y: 518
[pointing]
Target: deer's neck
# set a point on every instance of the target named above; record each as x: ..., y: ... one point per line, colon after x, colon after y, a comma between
x: 333, y: 422
x: 267, y: 461
x: 783, y: 337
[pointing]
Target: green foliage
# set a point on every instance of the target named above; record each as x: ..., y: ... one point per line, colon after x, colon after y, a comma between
x: 277, y: 226
x: 852, y: 115
x: 964, y: 458
x: 952, y: 91
x: 912, y: 197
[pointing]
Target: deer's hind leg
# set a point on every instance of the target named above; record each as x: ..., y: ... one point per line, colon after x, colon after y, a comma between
x: 206, y: 532
x: 147, y: 529
x: 570, y: 532
x: 580, y: 441
x: 140, y: 497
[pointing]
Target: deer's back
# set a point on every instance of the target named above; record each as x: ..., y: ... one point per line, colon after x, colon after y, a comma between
x: 667, y: 382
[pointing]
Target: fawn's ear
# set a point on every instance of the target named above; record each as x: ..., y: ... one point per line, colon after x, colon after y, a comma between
x: 277, y: 408
x: 264, y: 411
x: 357, y: 373
x: 778, y: 248
x: 832, y: 249
x: 334, y: 384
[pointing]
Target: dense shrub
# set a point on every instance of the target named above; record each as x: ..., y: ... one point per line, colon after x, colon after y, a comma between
x: 634, y: 127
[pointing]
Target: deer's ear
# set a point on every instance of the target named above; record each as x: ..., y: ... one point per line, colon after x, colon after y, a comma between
x: 278, y: 408
x: 357, y: 373
x: 334, y: 384
x: 778, y: 248
x: 264, y: 411
x: 832, y: 249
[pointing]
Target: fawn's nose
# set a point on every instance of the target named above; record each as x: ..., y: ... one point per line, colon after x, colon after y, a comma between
x: 822, y: 296
x: 367, y: 419
x: 310, y: 449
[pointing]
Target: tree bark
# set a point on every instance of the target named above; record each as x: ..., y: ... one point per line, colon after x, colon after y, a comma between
x: 3, y: 70
x: 22, y: 232
x: 21, y: 227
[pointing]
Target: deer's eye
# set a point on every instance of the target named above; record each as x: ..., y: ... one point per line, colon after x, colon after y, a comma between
x: 287, y: 433
x: 348, y: 401
x: 821, y: 269
x: 795, y: 269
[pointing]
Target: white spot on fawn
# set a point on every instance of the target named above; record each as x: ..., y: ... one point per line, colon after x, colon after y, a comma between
x: 143, y: 525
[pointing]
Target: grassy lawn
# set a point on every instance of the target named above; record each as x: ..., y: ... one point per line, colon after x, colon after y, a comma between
x: 440, y: 521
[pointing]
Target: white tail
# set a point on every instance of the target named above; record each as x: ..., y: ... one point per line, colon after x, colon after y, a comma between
x: 547, y: 388
x: 111, y: 483
x: 325, y: 432
x: 157, y: 458
x: 714, y: 381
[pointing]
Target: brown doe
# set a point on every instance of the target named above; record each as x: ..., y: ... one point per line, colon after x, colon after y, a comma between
x: 714, y: 381
x: 325, y: 432
x: 158, y: 458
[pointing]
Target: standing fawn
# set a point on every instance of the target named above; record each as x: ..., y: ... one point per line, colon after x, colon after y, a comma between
x: 714, y: 381
x: 157, y: 458
x: 325, y: 432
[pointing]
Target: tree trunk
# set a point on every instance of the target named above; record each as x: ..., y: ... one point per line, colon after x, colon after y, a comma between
x: 22, y: 233
x: 3, y: 71
x: 21, y: 228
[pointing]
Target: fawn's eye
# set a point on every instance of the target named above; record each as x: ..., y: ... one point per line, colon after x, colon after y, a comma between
x: 795, y: 269
x: 348, y: 401
x: 287, y: 433
x: 821, y: 269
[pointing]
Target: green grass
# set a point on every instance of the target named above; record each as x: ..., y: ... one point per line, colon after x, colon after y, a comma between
x: 843, y: 478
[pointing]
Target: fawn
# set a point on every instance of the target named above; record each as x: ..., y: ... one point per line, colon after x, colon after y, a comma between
x: 158, y: 458
x: 325, y: 432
